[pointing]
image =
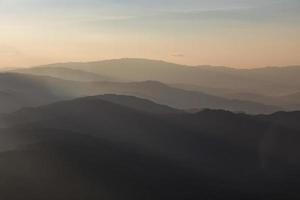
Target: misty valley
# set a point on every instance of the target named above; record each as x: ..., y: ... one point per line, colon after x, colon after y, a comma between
x: 142, y: 129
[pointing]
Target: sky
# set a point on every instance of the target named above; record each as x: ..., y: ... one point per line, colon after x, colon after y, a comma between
x: 235, y: 33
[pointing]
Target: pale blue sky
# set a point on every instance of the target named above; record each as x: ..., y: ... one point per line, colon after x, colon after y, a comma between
x: 241, y: 33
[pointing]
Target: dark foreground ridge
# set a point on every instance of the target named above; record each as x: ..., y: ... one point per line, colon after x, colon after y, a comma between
x: 108, y: 147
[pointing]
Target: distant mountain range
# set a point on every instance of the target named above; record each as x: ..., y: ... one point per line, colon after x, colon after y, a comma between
x: 268, y: 81
x: 133, y: 129
x: 121, y: 147
x: 31, y: 90
x: 138, y: 104
x: 275, y: 86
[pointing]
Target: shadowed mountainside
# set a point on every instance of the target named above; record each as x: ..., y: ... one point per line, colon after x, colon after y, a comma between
x: 138, y: 104
x: 110, y: 150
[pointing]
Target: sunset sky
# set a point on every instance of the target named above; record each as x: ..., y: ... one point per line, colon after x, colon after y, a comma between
x: 237, y: 33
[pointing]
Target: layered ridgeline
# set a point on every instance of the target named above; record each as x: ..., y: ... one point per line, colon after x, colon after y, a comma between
x: 278, y: 86
x: 269, y: 80
x: 22, y: 90
x: 115, y: 147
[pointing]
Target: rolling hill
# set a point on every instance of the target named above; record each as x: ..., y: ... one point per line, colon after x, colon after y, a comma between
x: 138, y: 104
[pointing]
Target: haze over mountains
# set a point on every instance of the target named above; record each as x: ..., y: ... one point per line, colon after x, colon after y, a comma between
x: 265, y: 90
x: 149, y: 129
x: 65, y: 73
x: 32, y: 90
x: 270, y: 80
x: 141, y: 129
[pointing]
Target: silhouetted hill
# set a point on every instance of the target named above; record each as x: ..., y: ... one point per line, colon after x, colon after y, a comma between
x: 138, y: 104
x: 113, y: 151
x: 289, y: 119
x: 178, y: 98
x: 93, y: 114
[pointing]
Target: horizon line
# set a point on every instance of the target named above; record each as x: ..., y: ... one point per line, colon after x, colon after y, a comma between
x: 148, y: 59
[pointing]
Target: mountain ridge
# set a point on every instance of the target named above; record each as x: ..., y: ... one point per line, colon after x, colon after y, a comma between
x: 112, y: 145
x: 252, y: 80
x: 37, y: 90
